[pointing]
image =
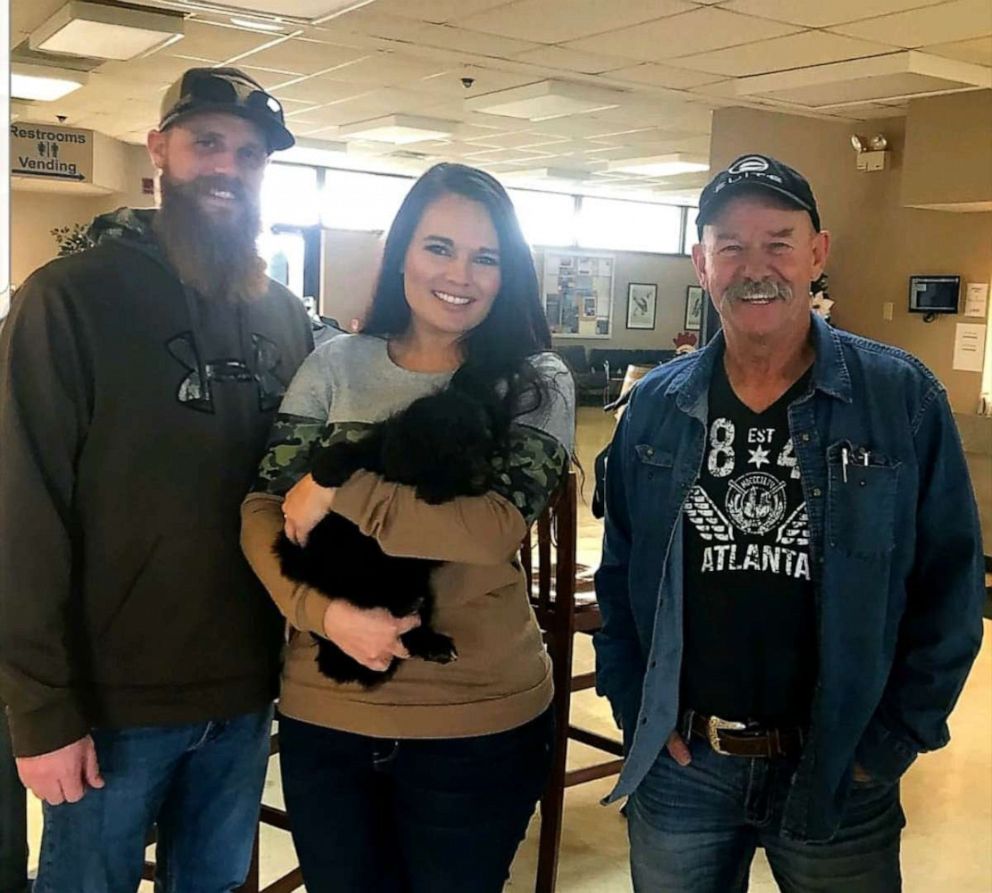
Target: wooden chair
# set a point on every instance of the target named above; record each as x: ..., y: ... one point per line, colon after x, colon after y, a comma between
x: 270, y: 815
x: 561, y: 615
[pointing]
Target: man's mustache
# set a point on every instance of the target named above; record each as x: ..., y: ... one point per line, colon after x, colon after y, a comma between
x: 768, y: 288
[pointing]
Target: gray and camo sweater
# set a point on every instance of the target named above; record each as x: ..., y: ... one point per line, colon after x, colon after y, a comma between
x: 502, y: 677
x: 351, y: 383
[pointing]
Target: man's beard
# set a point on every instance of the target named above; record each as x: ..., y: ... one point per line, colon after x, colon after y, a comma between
x: 214, y: 255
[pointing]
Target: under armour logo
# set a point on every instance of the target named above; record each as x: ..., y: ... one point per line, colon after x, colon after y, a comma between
x: 195, y: 389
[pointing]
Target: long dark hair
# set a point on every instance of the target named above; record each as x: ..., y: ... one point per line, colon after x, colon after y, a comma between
x: 515, y: 328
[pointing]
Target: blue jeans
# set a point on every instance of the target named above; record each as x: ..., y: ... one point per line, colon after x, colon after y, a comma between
x: 694, y: 829
x: 373, y: 815
x: 201, y: 784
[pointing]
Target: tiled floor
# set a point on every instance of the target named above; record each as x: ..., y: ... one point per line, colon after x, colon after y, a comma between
x: 947, y: 845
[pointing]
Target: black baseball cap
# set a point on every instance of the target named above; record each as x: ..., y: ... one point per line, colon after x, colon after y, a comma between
x: 226, y: 90
x: 750, y: 172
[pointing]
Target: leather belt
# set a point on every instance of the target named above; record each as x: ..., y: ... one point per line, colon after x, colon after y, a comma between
x: 737, y: 739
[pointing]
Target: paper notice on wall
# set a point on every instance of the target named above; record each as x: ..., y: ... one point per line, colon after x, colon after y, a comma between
x: 976, y: 299
x: 969, y: 347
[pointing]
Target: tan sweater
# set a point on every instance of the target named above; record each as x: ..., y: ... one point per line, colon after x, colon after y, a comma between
x: 502, y: 677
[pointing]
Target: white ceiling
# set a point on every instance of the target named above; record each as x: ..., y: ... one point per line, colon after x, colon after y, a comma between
x: 673, y: 62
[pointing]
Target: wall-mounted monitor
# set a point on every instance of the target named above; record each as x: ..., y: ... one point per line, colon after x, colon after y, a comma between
x: 934, y: 294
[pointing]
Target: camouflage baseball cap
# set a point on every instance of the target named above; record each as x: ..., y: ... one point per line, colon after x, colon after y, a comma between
x: 226, y: 90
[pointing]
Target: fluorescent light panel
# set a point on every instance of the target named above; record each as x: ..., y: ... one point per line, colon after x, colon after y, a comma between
x: 258, y: 25
x: 105, y: 32
x: 43, y: 83
x: 398, y: 129
x: 661, y: 165
x: 304, y: 11
x: 545, y: 100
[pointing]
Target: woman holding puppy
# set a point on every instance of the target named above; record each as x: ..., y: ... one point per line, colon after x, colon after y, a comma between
x: 427, y: 781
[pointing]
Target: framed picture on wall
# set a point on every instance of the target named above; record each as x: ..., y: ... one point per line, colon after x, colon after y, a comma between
x: 642, y: 304
x: 694, y: 297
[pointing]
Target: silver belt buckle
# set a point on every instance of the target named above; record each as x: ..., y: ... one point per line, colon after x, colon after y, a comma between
x: 713, y: 726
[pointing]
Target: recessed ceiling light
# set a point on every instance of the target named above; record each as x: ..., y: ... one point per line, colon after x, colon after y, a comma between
x: 545, y: 100
x: 398, y: 129
x: 661, y: 165
x: 43, y: 83
x: 105, y: 32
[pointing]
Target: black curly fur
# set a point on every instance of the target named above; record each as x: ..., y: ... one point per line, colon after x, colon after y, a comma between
x: 443, y: 445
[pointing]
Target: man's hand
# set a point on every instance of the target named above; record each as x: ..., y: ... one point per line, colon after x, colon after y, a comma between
x: 678, y: 749
x: 370, y: 636
x: 304, y: 507
x: 63, y: 775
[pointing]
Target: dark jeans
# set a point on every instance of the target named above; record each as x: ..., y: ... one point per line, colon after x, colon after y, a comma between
x: 372, y: 815
x: 201, y: 784
x: 13, y: 819
x: 694, y: 829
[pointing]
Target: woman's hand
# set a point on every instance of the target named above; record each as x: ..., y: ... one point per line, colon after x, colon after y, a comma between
x: 370, y: 636
x: 304, y: 507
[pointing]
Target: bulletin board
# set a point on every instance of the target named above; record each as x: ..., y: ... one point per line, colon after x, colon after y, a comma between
x: 577, y: 291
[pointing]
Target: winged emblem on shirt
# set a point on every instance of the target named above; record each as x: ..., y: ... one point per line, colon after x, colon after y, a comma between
x: 707, y: 518
x: 795, y: 530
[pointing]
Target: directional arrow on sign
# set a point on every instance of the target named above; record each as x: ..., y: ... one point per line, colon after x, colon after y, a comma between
x: 54, y: 174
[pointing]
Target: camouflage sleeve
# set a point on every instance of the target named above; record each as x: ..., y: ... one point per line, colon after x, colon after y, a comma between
x: 531, y: 471
x: 287, y: 458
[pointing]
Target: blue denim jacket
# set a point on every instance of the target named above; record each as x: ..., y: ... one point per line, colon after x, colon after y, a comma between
x: 895, y: 551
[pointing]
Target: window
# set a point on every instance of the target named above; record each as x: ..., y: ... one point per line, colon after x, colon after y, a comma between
x: 289, y: 195
x: 691, y: 236
x: 353, y: 200
x: 629, y: 226
x: 547, y: 218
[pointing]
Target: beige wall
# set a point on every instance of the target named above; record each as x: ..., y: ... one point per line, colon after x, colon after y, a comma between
x: 877, y: 243
x: 349, y: 266
x: 949, y: 150
x: 33, y: 215
x: 672, y: 274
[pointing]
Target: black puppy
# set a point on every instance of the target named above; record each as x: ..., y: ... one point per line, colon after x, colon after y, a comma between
x: 444, y: 446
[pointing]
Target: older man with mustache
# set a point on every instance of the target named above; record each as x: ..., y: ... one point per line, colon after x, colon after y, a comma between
x: 792, y: 579
x: 138, y: 381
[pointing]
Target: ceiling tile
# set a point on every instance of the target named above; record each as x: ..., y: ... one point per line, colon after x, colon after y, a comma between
x: 947, y: 23
x: 384, y: 69
x: 436, y: 11
x: 162, y: 70
x: 977, y: 51
x: 520, y: 140
x: 302, y: 56
x: 448, y: 83
x: 701, y: 30
x: 466, y: 42
x: 572, y: 60
x: 555, y: 21
x: 661, y: 76
x: 319, y: 91
x: 218, y: 44
x: 819, y: 15
x: 783, y: 53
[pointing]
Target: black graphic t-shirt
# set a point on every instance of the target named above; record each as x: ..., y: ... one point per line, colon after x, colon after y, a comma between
x: 749, y: 611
